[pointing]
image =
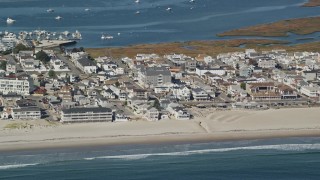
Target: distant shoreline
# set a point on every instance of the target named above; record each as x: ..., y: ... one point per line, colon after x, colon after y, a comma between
x: 312, y: 3
x: 300, y: 26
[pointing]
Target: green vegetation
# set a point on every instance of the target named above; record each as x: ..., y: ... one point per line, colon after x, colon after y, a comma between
x: 198, y: 47
x: 301, y: 26
x: 243, y: 86
x: 6, y: 52
x: 17, y: 126
x: 42, y: 56
x: 156, y: 104
x: 3, y: 65
x: 312, y: 3
x: 51, y: 123
x: 20, y: 47
x: 237, y: 66
x: 52, y: 73
x: 211, y: 48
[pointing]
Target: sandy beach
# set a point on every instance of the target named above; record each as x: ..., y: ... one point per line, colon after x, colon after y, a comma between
x: 209, y: 125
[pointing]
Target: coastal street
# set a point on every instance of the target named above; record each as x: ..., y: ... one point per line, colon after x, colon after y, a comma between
x: 71, y: 65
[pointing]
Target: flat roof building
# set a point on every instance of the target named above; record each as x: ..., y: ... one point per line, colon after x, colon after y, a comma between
x: 94, y: 114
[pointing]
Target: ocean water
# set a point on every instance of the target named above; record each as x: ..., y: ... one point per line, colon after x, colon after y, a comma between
x: 290, y: 158
x: 201, y: 20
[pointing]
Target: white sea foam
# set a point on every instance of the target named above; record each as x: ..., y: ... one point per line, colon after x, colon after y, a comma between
x: 11, y: 166
x: 280, y: 147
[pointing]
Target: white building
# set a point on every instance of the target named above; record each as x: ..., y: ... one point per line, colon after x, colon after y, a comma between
x: 121, y: 118
x: 26, y: 113
x: 200, y: 71
x: 182, y: 93
x: 16, y: 86
x: 200, y: 94
x: 152, y: 114
x: 119, y: 70
x: 86, y: 65
x: 236, y: 90
x: 94, y: 114
x: 11, y: 66
x: 179, y: 113
x: 266, y: 64
x: 310, y: 91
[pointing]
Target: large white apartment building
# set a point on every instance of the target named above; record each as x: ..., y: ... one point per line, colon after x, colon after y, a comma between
x: 26, y: 113
x: 94, y: 114
x: 14, y: 85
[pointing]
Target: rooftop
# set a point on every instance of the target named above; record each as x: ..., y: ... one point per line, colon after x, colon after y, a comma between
x: 87, y: 110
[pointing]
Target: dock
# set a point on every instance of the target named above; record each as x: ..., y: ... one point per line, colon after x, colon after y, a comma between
x: 52, y: 43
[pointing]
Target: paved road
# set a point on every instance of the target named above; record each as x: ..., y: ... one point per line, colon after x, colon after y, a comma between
x: 70, y: 64
x: 41, y: 106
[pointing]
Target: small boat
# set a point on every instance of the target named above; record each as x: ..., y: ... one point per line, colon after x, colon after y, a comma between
x: 58, y: 18
x: 137, y: 12
x: 192, y: 1
x: 169, y: 9
x: 10, y: 21
x: 66, y: 33
x: 87, y: 9
x: 119, y: 34
x: 137, y: 1
x: 50, y: 10
x: 9, y: 37
x: 77, y: 35
x: 106, y: 37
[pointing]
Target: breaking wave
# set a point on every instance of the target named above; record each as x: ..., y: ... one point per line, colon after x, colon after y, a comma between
x: 281, y: 147
x: 12, y: 166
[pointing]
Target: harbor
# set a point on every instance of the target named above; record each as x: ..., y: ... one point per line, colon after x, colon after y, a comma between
x: 38, y: 39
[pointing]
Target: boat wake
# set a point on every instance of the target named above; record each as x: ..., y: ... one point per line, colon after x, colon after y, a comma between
x: 282, y: 147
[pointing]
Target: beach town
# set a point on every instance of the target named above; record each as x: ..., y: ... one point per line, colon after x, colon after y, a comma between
x: 50, y: 93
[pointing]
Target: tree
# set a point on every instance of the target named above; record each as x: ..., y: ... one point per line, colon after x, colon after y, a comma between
x: 52, y: 74
x: 156, y: 104
x: 237, y: 66
x: 20, y: 47
x: 117, y: 84
x: 42, y: 56
x: 68, y: 78
x: 243, y: 86
x: 91, y: 58
x: 6, y: 52
x: 3, y: 65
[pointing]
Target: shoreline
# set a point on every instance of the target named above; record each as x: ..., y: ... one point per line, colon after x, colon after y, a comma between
x: 158, y: 140
x: 215, y: 126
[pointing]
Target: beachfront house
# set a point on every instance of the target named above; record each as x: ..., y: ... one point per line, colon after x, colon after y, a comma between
x: 27, y: 113
x: 199, y: 94
x: 310, y: 91
x: 179, y: 113
x: 152, y: 114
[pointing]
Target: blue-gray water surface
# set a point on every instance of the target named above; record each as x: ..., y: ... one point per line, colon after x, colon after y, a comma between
x: 290, y: 158
x: 200, y: 20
